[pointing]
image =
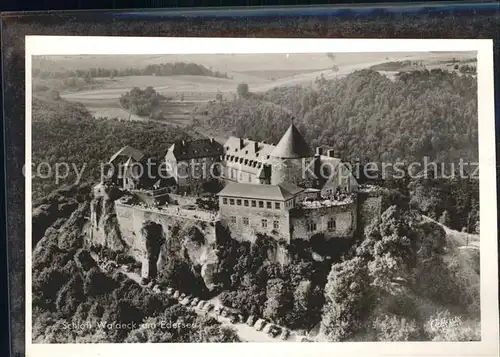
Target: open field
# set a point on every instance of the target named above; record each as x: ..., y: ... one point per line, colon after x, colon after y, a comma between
x: 260, y: 73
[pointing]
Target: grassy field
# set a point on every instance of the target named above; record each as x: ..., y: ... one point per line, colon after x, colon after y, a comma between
x: 260, y: 72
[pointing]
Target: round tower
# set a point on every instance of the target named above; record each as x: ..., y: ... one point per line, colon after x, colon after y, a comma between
x: 289, y: 156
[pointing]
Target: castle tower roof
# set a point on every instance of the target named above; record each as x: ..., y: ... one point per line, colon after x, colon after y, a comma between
x: 292, y: 145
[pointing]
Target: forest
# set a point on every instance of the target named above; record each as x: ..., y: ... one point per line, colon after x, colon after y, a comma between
x: 142, y: 102
x: 366, y: 115
x: 162, y: 69
x: 69, y: 289
x: 65, y: 132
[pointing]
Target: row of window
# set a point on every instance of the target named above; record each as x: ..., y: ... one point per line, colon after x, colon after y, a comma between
x: 252, y: 203
x: 311, y: 226
x: 264, y: 222
x: 244, y: 161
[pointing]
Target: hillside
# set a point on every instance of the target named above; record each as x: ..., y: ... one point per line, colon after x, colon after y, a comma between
x: 365, y: 115
x: 71, y: 289
x: 66, y: 133
x: 406, y: 282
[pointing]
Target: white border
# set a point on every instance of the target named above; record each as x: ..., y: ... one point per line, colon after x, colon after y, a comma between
x: 78, y: 45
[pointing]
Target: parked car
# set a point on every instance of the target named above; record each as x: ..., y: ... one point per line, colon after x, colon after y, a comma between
x: 186, y: 300
x: 267, y: 328
x: 259, y: 325
x: 285, y: 334
x: 225, y: 312
x: 208, y: 307
x: 182, y: 296
x: 156, y: 289
x: 218, y: 310
x: 233, y: 318
x: 305, y: 339
x: 177, y: 294
x: 201, y: 304
x: 169, y: 291
x: 274, y: 331
x: 195, y: 302
x: 251, y: 320
x: 126, y: 267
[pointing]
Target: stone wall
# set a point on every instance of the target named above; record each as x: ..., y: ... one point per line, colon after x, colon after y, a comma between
x: 132, y: 218
x: 289, y: 170
x: 344, y: 216
x: 235, y: 218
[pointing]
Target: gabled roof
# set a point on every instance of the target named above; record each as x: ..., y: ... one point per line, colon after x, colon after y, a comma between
x: 292, y: 145
x: 281, y: 192
x: 128, y: 152
x: 186, y: 150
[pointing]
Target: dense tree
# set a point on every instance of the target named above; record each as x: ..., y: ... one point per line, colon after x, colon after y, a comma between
x: 348, y: 299
x: 86, y: 152
x: 368, y: 116
x: 278, y: 301
x: 242, y: 90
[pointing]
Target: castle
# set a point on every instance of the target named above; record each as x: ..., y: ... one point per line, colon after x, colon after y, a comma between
x: 286, y: 191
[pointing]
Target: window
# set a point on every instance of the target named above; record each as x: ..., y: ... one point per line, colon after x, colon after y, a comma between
x: 264, y: 223
x: 245, y: 203
x: 224, y: 200
x: 254, y: 203
x: 238, y: 202
x: 276, y: 225
x: 269, y: 205
x: 261, y: 204
x: 311, y: 226
x: 277, y: 205
x: 233, y: 219
x: 245, y: 221
x: 231, y: 202
x: 331, y: 224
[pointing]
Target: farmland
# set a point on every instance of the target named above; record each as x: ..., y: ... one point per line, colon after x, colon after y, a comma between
x: 187, y: 92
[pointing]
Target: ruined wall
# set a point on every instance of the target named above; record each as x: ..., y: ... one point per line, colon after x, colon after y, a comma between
x: 235, y: 218
x: 132, y: 218
x: 344, y: 216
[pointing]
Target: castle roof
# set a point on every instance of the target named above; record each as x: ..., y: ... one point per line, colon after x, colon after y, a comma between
x: 248, y: 149
x: 193, y: 149
x: 292, y: 145
x: 128, y: 152
x: 280, y: 192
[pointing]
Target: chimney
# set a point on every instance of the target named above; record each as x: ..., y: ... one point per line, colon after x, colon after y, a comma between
x: 256, y: 145
x: 183, y: 142
x: 319, y: 150
x: 212, y: 140
x: 331, y: 153
x: 242, y: 143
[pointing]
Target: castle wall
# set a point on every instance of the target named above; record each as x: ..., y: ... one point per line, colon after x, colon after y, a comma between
x: 289, y: 170
x: 343, y: 216
x: 246, y: 222
x: 132, y: 218
x: 235, y: 173
x: 194, y: 170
